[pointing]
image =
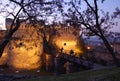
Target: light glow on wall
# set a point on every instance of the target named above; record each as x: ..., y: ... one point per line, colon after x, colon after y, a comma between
x: 25, y: 57
x: 68, y: 45
x: 25, y: 53
x: 3, y: 59
x: 68, y: 41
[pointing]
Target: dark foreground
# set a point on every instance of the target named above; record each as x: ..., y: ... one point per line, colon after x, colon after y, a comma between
x: 106, y: 74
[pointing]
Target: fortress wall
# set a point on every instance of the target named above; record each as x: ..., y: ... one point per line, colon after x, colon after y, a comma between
x: 25, y: 49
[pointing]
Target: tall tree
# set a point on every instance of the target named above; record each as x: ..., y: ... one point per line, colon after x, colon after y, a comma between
x: 92, y: 18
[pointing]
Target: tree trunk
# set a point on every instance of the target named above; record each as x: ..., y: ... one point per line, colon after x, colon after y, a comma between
x: 8, y: 37
x: 110, y: 49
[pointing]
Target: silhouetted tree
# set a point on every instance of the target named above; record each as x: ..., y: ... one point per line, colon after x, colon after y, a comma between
x: 32, y: 11
x: 96, y: 21
x: 14, y: 27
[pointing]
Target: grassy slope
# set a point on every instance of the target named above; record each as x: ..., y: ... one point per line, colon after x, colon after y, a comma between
x: 112, y: 74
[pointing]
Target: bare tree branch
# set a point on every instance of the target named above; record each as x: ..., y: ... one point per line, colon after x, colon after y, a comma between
x: 90, y: 5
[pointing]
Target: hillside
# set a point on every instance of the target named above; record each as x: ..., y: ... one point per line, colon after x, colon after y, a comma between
x: 109, y: 74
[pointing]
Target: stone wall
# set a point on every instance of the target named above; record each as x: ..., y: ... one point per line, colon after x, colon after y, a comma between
x: 67, y: 40
x: 25, y: 49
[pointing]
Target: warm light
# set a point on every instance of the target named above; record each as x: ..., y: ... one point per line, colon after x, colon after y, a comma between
x: 65, y: 44
x: 68, y: 42
x: 88, y: 47
x: 48, y: 61
x: 69, y: 45
x: 25, y: 53
x: 3, y: 59
x: 26, y: 56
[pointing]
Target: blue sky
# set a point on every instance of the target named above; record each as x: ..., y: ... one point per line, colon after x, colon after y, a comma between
x: 109, y: 5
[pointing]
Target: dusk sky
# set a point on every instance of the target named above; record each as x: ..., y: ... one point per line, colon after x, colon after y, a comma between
x: 109, y: 5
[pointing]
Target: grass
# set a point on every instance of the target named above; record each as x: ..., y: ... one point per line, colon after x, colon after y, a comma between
x: 109, y: 74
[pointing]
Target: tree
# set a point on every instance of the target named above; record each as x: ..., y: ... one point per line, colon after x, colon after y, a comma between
x: 93, y: 19
x: 13, y: 28
x: 26, y: 10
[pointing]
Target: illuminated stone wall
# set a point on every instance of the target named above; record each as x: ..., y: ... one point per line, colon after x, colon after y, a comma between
x: 26, y: 49
x: 68, y: 39
x: 48, y: 62
x: 3, y: 59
